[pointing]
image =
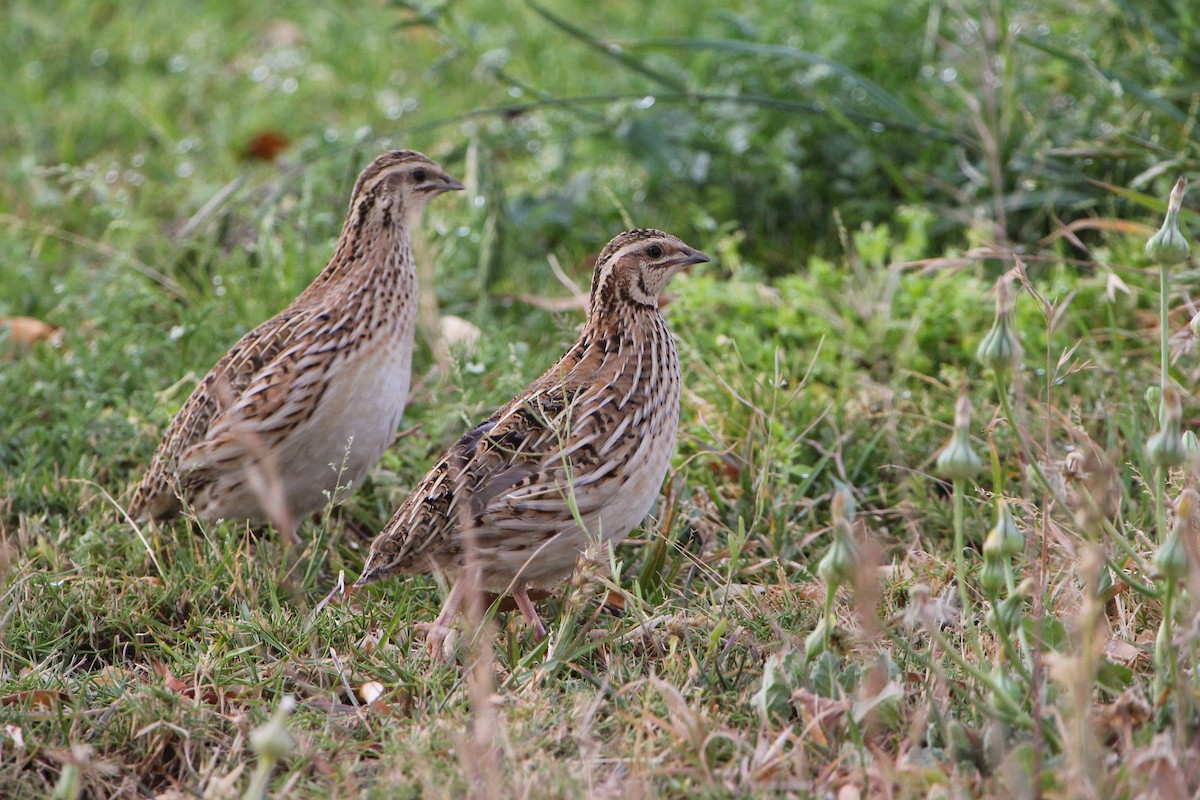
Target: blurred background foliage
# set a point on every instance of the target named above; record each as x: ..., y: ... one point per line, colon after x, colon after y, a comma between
x: 779, y: 120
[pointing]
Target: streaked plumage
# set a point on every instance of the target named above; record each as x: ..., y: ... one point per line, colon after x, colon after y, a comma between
x: 313, y: 396
x: 578, y: 457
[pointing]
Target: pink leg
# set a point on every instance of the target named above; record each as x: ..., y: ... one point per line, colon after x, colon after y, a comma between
x: 521, y: 595
x: 439, y: 629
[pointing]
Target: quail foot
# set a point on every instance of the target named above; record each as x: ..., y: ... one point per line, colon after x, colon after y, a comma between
x: 299, y: 410
x: 577, y: 458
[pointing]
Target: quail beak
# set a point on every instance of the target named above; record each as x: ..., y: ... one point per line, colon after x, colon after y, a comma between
x: 451, y: 185
x: 690, y: 258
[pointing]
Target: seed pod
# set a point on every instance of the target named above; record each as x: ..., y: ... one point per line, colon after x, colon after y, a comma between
x: 1171, y: 560
x: 1169, y: 246
x: 991, y: 578
x: 837, y: 566
x: 1165, y: 448
x: 1000, y: 349
x: 1004, y: 539
x: 957, y: 461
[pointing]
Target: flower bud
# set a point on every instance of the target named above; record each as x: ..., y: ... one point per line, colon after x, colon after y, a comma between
x: 1191, y: 445
x: 272, y: 740
x: 1004, y: 539
x: 837, y: 566
x: 1169, y: 246
x: 1171, y: 560
x: 1000, y: 350
x: 992, y: 577
x: 1165, y: 448
x: 957, y: 461
x: 1154, y: 401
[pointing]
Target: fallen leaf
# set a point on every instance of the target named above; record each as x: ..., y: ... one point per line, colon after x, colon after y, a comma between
x: 27, y: 331
x: 614, y: 601
x: 35, y: 699
x: 113, y: 677
x: 208, y: 694
x: 820, y: 716
x: 1121, y: 652
x: 1119, y: 719
x: 265, y: 146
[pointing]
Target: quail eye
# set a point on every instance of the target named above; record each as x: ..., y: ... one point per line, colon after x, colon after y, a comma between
x: 654, y: 251
x: 419, y: 175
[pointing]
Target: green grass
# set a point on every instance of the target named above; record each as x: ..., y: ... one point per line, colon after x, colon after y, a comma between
x: 862, y: 180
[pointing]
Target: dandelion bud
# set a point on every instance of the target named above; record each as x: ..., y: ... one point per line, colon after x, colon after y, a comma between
x: 957, y: 461
x: 1191, y: 445
x: 272, y: 740
x: 1165, y: 448
x: 1169, y: 246
x: 1000, y: 350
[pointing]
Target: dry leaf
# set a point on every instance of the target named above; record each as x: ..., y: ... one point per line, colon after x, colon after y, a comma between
x: 265, y: 146
x: 35, y: 699
x: 113, y: 677
x: 1118, y: 719
x: 820, y: 716
x: 27, y: 331
x: 207, y: 695
x: 1121, y: 652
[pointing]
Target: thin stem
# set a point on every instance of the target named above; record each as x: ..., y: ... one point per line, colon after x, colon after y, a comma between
x: 1160, y: 473
x: 960, y: 561
x: 830, y: 591
x: 1164, y: 660
x: 1164, y: 364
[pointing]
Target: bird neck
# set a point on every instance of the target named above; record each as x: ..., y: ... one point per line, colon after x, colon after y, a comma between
x: 622, y: 330
x: 370, y: 252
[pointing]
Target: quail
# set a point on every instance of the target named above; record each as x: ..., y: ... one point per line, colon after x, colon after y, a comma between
x: 577, y: 458
x: 309, y: 400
